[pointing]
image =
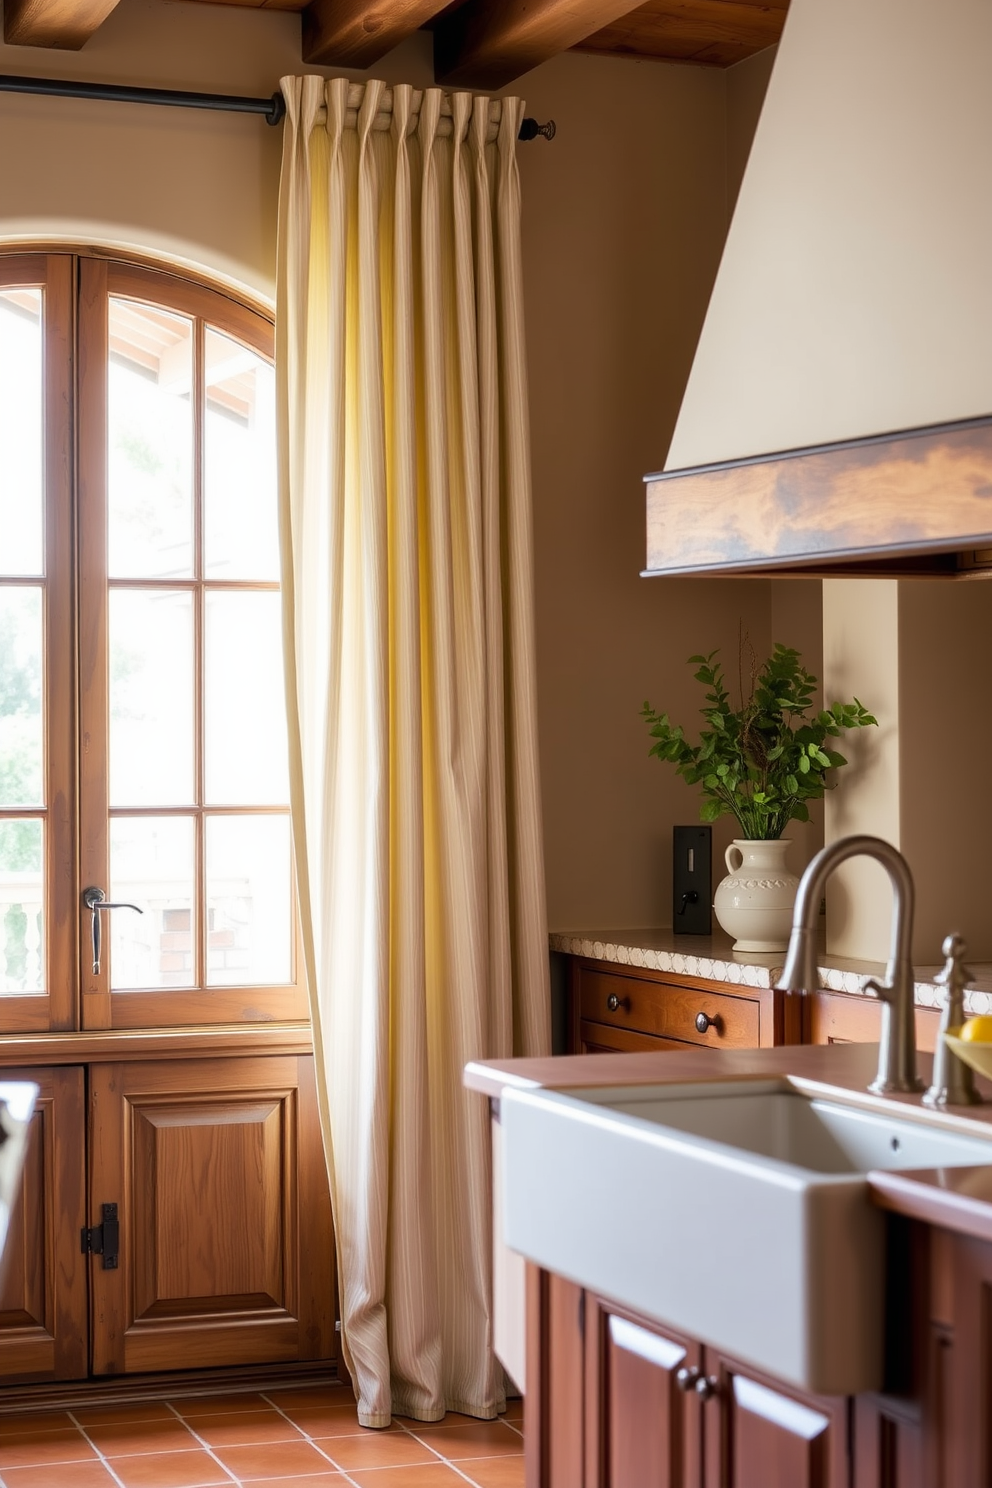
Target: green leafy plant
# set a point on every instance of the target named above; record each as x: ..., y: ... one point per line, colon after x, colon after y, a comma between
x: 764, y: 761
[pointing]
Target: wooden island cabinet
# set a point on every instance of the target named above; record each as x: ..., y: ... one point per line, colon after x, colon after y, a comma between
x: 653, y: 1408
x: 615, y: 1399
x: 622, y: 1401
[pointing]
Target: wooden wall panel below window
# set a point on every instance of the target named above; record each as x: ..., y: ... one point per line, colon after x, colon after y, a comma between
x: 43, y: 1323
x: 226, y: 1243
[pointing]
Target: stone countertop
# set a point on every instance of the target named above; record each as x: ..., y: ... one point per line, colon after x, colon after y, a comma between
x: 956, y: 1199
x: 713, y: 958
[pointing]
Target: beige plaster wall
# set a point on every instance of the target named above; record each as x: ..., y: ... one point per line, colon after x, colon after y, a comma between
x: 861, y: 645
x: 915, y: 653
x: 625, y: 216
x: 946, y: 789
x: 625, y: 220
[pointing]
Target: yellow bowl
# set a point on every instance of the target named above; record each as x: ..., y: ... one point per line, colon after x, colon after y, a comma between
x: 979, y: 1056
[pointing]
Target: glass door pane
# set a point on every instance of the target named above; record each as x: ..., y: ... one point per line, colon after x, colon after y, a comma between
x: 37, y: 922
x: 185, y: 811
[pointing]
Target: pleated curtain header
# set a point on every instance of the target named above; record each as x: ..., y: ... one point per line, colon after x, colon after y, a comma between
x: 337, y: 103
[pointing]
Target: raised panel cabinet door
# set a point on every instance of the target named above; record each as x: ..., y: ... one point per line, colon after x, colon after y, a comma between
x: 226, y: 1249
x: 889, y: 1446
x: 966, y: 1427
x: 761, y: 1434
x: 642, y: 1410
x: 553, y: 1404
x: 43, y: 1322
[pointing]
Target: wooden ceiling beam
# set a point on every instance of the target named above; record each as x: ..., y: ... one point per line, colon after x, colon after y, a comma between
x: 488, y: 43
x: 718, y: 32
x: 356, y: 33
x: 66, y: 24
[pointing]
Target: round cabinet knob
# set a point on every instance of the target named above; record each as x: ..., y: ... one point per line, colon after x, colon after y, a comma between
x: 704, y: 1023
x: 686, y: 1377
x: 705, y: 1387
x: 615, y: 1003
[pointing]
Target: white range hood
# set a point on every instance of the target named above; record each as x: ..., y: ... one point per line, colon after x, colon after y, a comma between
x: 853, y: 303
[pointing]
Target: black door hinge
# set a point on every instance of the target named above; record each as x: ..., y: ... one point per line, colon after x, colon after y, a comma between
x: 103, y: 1239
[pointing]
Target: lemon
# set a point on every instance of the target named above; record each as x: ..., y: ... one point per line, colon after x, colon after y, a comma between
x: 978, y: 1030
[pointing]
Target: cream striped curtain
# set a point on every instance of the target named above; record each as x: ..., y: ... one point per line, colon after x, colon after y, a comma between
x: 407, y: 584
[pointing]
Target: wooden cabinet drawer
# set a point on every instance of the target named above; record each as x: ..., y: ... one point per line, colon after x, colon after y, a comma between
x: 668, y: 1010
x: 604, y: 1038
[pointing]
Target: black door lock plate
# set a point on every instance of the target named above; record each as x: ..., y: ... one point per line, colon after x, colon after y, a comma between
x: 103, y: 1239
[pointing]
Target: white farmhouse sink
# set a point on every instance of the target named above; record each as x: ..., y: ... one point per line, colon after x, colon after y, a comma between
x: 737, y: 1212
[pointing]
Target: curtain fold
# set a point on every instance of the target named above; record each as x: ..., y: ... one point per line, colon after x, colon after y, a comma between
x: 408, y: 625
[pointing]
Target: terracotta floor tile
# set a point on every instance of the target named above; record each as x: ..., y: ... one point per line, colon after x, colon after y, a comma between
x: 35, y: 1449
x: 128, y: 1438
x: 64, y: 1475
x: 244, y: 1427
x: 212, y: 1405
x: 127, y: 1411
x: 437, y: 1476
x: 480, y: 1439
x: 169, y: 1470
x: 375, y: 1449
x: 323, y: 1422
x: 25, y: 1422
x: 272, y: 1459
x: 330, y: 1479
x: 495, y: 1472
x: 515, y: 1409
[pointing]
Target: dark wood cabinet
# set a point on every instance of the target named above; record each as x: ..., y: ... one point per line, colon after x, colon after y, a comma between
x: 840, y: 1018
x: 43, y: 1295
x: 657, y: 1409
x: 226, y: 1252
x: 626, y: 1009
x: 630, y: 1009
x: 643, y: 1413
x: 226, y: 1247
x: 759, y: 1433
x: 621, y: 1401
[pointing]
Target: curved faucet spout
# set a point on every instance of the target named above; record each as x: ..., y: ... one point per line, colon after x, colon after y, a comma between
x: 897, y: 1046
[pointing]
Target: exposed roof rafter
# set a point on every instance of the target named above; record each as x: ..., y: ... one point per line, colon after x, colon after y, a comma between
x: 67, y: 24
x: 356, y: 33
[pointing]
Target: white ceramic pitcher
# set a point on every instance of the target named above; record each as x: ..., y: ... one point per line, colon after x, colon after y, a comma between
x: 754, y: 902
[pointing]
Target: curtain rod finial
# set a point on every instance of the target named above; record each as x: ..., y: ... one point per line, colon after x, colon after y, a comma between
x: 530, y: 129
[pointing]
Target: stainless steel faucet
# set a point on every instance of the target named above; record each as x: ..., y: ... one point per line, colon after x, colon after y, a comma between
x: 897, y: 1046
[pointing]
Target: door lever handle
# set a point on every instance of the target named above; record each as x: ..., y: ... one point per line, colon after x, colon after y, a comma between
x: 94, y: 900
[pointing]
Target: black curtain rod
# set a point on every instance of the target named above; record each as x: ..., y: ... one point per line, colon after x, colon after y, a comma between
x: 273, y: 110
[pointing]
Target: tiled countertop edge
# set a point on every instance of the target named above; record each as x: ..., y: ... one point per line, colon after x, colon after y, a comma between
x: 738, y: 971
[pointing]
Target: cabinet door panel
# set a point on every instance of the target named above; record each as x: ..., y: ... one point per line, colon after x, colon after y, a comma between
x: 968, y: 1386
x: 553, y: 1411
x: 227, y: 1157
x: 226, y: 1246
x: 760, y: 1434
x: 43, y: 1284
x: 889, y: 1444
x: 645, y: 1428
